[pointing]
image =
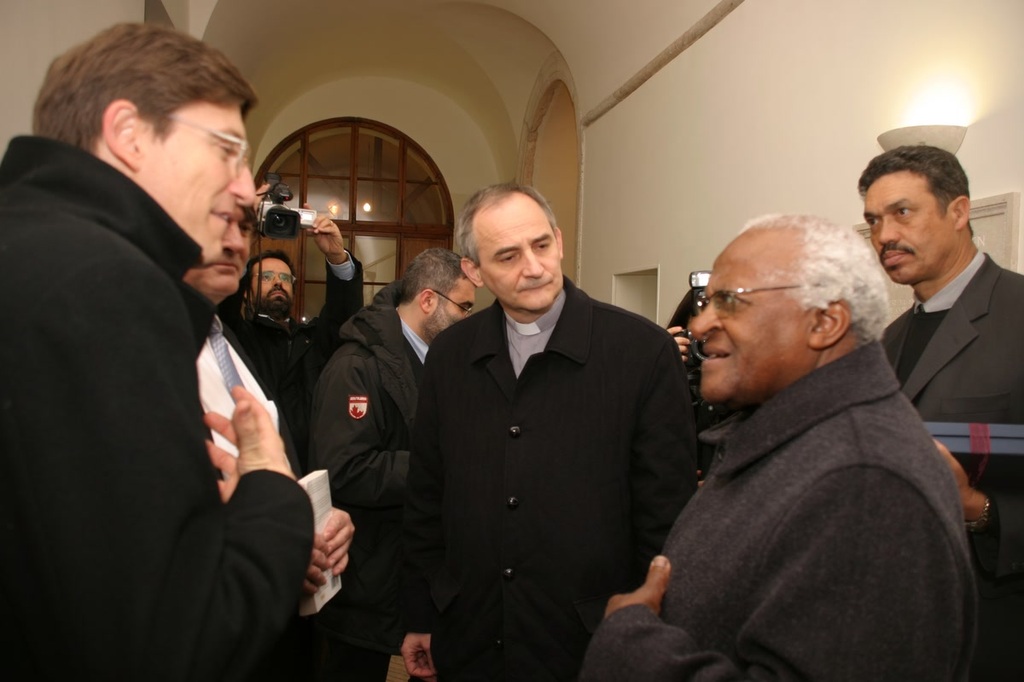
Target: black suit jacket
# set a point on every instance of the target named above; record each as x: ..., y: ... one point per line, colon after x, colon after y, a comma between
x: 286, y: 435
x: 972, y: 371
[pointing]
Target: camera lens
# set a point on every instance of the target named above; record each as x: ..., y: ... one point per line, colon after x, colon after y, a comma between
x: 697, y: 347
x: 280, y: 223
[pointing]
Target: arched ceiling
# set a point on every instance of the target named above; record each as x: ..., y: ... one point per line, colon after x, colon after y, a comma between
x: 485, y: 55
x: 483, y: 58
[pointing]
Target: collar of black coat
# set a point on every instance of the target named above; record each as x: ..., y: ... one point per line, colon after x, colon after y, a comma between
x: 83, y: 184
x: 571, y: 336
x: 60, y: 178
x: 860, y: 377
x: 378, y: 324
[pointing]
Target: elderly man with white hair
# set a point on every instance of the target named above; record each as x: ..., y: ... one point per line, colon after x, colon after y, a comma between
x: 827, y: 542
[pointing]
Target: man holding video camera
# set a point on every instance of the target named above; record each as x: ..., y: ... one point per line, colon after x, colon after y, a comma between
x: 289, y: 354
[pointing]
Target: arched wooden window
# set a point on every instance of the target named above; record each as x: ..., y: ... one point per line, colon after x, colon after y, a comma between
x: 381, y: 188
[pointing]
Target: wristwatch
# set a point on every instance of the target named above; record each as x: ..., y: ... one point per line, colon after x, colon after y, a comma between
x: 980, y: 524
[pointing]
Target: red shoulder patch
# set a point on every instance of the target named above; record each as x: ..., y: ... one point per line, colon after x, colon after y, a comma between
x: 358, y: 406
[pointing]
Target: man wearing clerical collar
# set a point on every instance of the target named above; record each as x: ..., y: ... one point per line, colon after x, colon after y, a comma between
x: 550, y: 457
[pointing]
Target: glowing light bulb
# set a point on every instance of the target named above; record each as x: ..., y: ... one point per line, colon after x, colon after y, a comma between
x: 942, y: 102
x: 367, y: 208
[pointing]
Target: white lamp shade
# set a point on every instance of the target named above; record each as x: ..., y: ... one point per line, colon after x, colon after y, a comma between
x: 943, y: 137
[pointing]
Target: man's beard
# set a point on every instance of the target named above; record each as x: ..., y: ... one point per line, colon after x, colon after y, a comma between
x: 279, y: 307
x: 438, y: 321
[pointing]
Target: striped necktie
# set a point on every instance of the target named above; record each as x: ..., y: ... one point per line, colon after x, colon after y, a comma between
x: 223, y: 355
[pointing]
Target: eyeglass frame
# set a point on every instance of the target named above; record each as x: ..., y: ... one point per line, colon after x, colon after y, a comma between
x: 268, y: 276
x: 701, y: 300
x: 466, y: 308
x: 240, y: 147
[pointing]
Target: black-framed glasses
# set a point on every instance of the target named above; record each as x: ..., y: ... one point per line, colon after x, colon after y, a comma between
x: 726, y: 301
x: 236, y: 148
x: 466, y: 308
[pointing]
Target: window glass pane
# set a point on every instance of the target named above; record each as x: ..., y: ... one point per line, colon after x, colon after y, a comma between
x: 314, y: 296
x: 314, y: 264
x: 417, y: 169
x: 289, y: 161
x: 423, y: 205
x: 378, y: 155
x: 378, y: 256
x: 377, y: 201
x: 371, y: 290
x: 329, y: 196
x: 330, y: 152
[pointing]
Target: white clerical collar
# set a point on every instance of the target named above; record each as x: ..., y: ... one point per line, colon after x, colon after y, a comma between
x: 524, y: 328
x: 543, y: 323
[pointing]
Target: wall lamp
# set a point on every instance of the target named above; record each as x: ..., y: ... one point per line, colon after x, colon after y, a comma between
x: 944, y: 137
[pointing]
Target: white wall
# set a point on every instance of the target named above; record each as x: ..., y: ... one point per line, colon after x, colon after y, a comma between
x: 777, y: 110
x: 32, y: 33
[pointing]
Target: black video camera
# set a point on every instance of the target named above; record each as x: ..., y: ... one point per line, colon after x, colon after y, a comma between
x: 275, y: 220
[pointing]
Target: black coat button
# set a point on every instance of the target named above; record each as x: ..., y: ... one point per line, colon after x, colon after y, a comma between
x: 512, y: 502
x: 508, y: 574
x: 515, y: 431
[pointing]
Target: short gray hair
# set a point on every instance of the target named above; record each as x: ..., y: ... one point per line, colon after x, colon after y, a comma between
x: 835, y: 264
x: 465, y: 241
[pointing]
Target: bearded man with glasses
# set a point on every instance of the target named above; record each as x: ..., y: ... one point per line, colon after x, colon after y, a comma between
x: 364, y: 407
x: 289, y: 354
x: 827, y: 542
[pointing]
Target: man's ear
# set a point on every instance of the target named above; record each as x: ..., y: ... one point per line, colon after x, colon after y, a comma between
x: 472, y: 272
x: 960, y: 209
x: 831, y: 325
x: 120, y: 142
x: 427, y: 301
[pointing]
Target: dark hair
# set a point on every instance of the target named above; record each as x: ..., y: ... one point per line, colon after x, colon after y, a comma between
x: 945, y: 176
x: 684, y: 311
x: 465, y: 241
x: 251, y: 267
x: 155, y: 67
x: 437, y: 269
x: 248, y: 221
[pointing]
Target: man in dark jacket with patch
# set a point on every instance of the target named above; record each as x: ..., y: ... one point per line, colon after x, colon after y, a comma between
x: 363, y: 412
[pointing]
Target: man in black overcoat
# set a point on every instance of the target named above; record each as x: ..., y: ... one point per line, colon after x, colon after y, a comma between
x: 120, y: 559
x: 553, y: 448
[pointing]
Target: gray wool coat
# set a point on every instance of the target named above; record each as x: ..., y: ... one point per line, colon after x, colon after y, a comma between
x: 828, y: 544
